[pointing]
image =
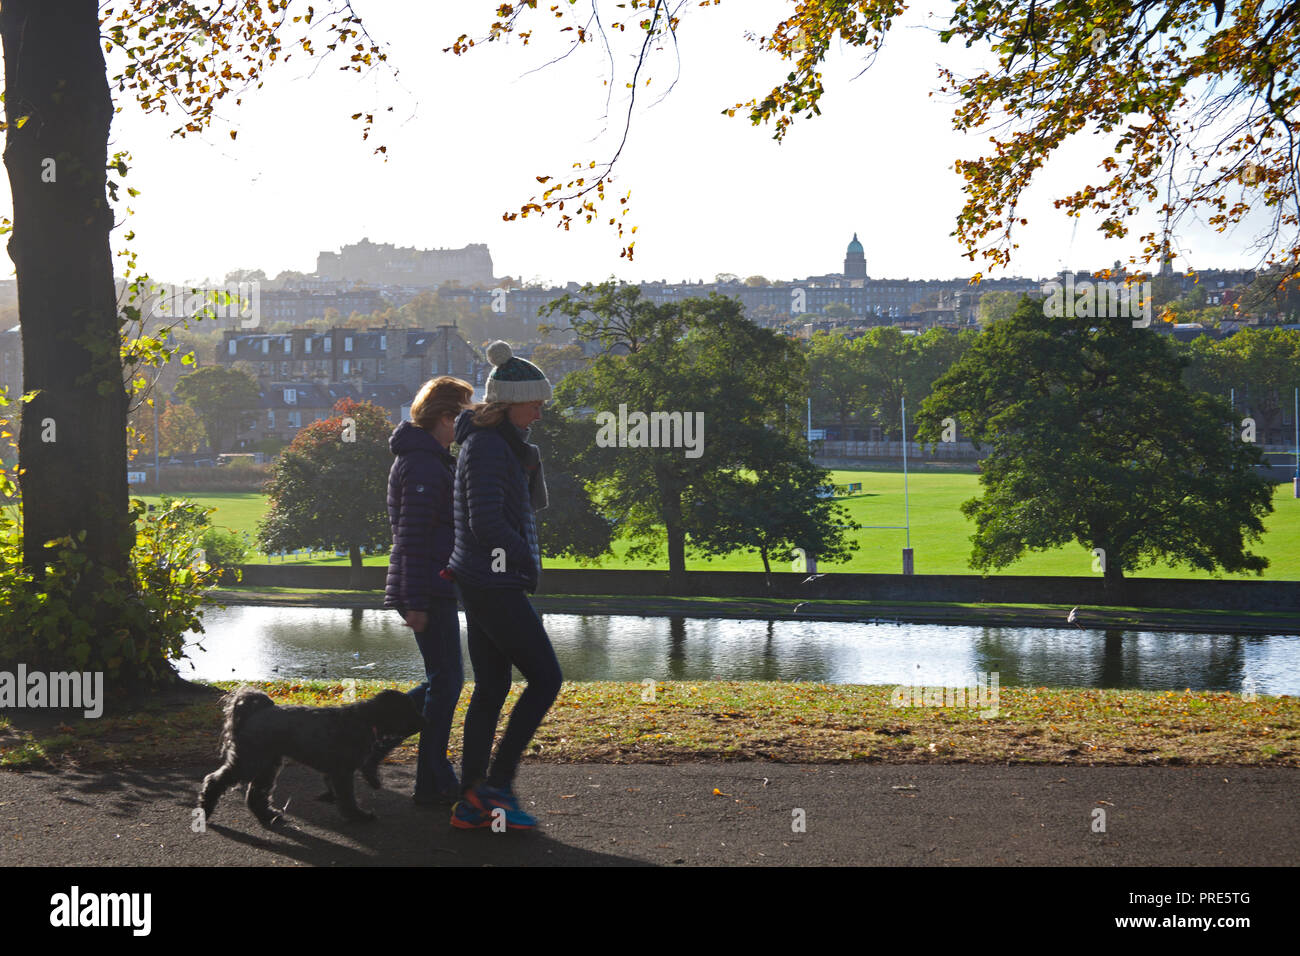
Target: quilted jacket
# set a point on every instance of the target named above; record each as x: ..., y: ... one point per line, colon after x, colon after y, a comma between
x: 498, y: 484
x: 420, y: 512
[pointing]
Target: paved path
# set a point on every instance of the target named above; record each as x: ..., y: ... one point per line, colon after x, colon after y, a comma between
x: 669, y: 815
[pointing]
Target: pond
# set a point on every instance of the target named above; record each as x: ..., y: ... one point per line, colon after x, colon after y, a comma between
x: 270, y: 643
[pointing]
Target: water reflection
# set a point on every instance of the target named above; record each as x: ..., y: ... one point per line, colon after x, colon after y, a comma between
x: 1120, y: 659
x: 260, y: 643
x: 1111, y: 670
x: 677, y: 668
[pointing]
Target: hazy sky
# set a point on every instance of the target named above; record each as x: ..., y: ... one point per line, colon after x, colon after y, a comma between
x: 467, y: 135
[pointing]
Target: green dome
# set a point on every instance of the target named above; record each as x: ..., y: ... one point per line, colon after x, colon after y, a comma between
x: 855, y: 247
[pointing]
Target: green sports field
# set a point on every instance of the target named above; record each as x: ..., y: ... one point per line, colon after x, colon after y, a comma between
x: 940, y: 533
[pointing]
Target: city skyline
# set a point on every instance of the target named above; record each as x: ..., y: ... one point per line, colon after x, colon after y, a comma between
x: 710, y: 194
x: 559, y: 282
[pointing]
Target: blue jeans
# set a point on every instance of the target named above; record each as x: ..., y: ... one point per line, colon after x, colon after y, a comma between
x: 437, y: 697
x: 504, y: 630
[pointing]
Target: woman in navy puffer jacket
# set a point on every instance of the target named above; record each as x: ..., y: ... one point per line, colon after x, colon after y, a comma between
x: 496, y: 559
x: 420, y: 512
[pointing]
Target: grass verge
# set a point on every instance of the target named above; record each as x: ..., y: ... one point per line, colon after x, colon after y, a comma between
x: 611, y: 722
x: 940, y: 533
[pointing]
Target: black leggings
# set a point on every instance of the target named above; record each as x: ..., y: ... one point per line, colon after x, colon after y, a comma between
x: 503, y: 629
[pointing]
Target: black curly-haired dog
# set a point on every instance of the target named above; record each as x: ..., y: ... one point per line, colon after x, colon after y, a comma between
x: 257, y: 736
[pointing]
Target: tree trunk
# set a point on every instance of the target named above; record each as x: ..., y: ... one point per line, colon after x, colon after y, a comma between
x: 670, y: 504
x: 767, y: 567
x: 1113, y: 575
x: 354, y: 575
x: 73, y: 445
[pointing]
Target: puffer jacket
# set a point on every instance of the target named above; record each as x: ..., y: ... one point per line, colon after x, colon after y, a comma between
x: 420, y: 512
x: 498, y: 484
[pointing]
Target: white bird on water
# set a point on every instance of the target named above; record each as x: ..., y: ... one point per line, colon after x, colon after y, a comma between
x: 365, y: 667
x: 1071, y: 619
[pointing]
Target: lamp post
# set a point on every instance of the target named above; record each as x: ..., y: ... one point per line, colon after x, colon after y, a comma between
x: 907, y: 513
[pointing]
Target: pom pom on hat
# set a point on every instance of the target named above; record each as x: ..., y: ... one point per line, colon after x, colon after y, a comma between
x: 514, y: 379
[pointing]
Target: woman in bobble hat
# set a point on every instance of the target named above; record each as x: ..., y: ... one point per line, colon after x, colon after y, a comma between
x: 498, y: 487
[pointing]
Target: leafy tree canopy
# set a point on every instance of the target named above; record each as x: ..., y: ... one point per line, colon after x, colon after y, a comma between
x: 570, y: 525
x: 223, y: 397
x: 835, y: 376
x: 180, y: 430
x: 1097, y: 440
x: 329, y: 488
x: 1261, y: 365
x: 693, y: 358
x: 773, y: 512
x: 896, y: 366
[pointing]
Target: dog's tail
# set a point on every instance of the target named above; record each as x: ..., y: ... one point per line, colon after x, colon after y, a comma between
x: 238, y: 706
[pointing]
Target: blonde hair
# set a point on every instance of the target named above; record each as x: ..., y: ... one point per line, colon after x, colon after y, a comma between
x: 489, y: 414
x: 440, y: 396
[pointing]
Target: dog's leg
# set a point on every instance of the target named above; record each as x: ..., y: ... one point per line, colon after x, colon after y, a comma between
x: 259, y: 796
x: 346, y: 798
x: 328, y: 795
x: 379, y: 751
x: 214, y: 785
x: 370, y: 766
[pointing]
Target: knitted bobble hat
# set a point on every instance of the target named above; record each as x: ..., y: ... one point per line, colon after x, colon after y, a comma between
x: 514, y: 379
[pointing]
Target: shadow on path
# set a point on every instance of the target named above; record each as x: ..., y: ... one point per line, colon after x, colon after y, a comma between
x: 111, y: 805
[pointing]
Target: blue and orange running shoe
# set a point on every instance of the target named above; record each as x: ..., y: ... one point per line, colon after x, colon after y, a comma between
x: 484, y: 800
x: 466, y: 816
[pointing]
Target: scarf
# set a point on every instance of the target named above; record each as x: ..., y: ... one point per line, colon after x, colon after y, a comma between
x: 530, y: 456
